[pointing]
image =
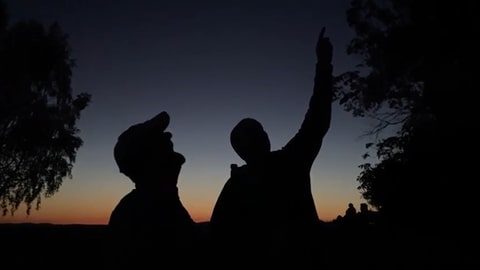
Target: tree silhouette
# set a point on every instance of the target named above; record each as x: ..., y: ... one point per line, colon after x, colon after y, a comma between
x: 38, y: 135
x: 416, y: 79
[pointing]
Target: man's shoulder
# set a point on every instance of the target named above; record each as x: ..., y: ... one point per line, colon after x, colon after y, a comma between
x: 286, y: 155
x: 123, y: 208
x: 129, y: 196
x: 238, y: 176
x: 238, y: 171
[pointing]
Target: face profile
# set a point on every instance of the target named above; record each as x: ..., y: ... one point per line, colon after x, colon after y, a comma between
x: 145, y: 149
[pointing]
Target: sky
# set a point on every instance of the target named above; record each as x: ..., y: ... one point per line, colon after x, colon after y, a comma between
x: 208, y: 64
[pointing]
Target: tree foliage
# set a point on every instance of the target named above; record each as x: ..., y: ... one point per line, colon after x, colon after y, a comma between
x: 417, y: 78
x: 38, y: 114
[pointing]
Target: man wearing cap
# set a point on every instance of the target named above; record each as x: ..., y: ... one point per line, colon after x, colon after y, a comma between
x: 150, y: 224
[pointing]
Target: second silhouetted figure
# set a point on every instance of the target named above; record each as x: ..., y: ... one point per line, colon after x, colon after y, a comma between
x: 266, y: 207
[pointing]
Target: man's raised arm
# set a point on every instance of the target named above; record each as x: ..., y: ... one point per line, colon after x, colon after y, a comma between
x: 316, y: 123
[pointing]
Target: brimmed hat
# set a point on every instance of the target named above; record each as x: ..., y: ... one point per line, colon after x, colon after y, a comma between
x: 140, y: 141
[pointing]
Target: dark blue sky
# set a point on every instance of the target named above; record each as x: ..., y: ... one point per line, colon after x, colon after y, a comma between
x: 209, y: 64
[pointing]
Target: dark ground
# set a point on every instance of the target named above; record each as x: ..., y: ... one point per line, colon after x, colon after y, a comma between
x: 47, y: 246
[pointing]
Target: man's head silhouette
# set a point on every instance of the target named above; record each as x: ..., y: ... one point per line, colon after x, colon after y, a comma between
x: 249, y: 140
x: 144, y: 152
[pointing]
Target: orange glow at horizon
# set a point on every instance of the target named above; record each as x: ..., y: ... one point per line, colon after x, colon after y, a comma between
x: 101, y: 216
x: 78, y: 203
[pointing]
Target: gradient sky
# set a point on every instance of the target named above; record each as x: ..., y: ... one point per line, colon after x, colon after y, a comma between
x: 208, y: 64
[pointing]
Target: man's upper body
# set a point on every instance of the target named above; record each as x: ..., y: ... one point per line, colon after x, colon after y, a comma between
x: 151, y: 218
x: 267, y: 203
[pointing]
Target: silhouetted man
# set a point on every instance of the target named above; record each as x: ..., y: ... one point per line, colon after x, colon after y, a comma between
x: 266, y: 207
x: 150, y: 225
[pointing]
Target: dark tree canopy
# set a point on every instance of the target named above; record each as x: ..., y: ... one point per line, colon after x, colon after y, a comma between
x: 38, y: 133
x: 417, y: 78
